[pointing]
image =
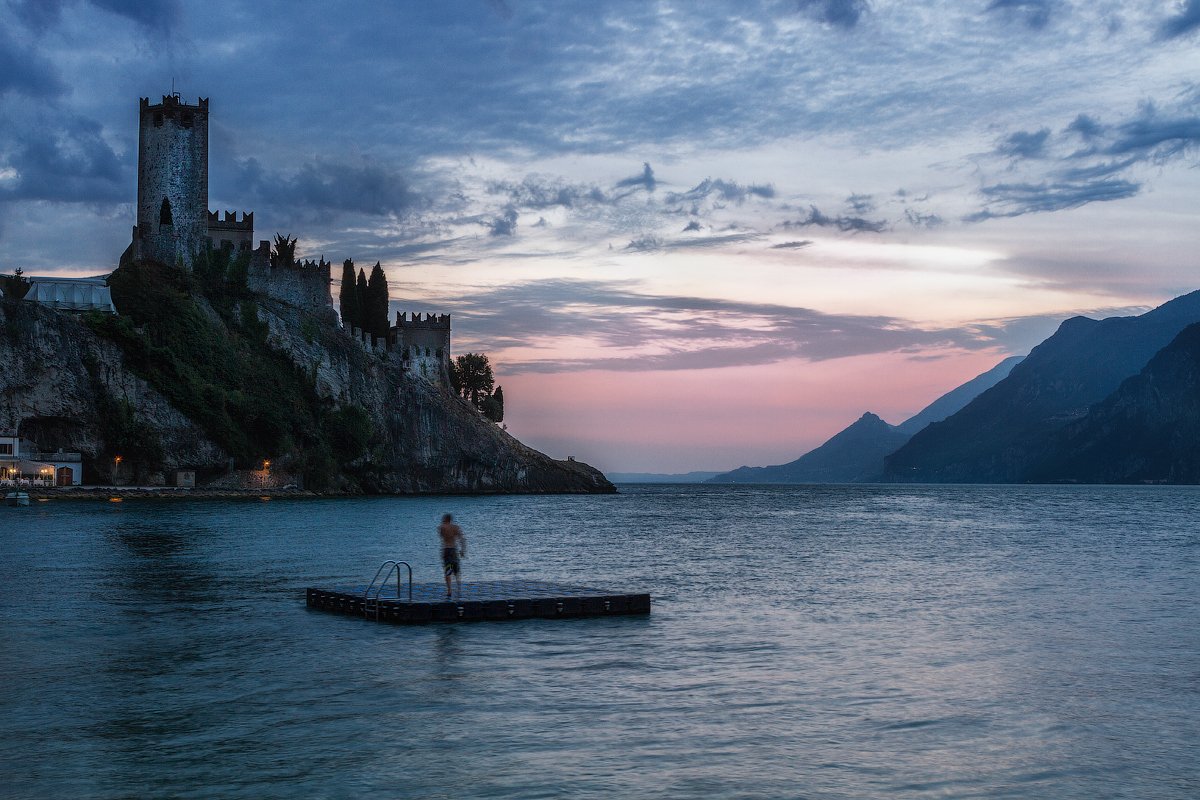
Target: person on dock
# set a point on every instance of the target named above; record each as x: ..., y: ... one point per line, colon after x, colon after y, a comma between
x: 454, y: 547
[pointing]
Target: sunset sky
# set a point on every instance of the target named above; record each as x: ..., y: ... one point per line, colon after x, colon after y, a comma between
x: 690, y: 235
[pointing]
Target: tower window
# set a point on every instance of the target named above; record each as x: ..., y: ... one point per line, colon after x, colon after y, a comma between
x: 186, y: 120
x: 158, y: 119
x: 164, y: 213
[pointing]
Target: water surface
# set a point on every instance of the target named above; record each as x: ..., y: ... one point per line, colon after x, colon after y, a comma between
x: 823, y: 642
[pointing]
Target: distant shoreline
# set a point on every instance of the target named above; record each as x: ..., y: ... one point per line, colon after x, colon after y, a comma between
x: 122, y: 493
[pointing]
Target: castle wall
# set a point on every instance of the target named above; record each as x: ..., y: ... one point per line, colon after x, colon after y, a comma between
x: 305, y: 284
x: 231, y: 232
x: 422, y: 344
x: 172, y: 165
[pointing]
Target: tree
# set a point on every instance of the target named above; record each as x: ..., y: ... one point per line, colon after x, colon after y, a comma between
x: 375, y: 303
x: 348, y: 297
x: 16, y: 286
x: 360, y: 293
x: 471, y: 377
x: 493, y: 405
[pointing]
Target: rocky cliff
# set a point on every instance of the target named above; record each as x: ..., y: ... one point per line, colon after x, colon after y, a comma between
x: 206, y: 381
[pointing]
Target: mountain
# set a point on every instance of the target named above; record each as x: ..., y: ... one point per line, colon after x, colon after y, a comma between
x: 856, y: 453
x: 219, y: 381
x: 1148, y: 430
x: 1003, y: 434
x: 658, y: 477
x: 955, y: 399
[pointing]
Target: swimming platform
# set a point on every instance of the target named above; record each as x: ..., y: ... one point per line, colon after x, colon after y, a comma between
x: 409, y: 603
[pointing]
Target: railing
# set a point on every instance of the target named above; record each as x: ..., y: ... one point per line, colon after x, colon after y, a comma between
x: 390, y: 566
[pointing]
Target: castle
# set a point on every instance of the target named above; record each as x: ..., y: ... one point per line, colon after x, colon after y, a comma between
x: 174, y: 226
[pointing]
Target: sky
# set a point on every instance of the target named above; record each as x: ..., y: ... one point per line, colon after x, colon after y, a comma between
x: 689, y: 235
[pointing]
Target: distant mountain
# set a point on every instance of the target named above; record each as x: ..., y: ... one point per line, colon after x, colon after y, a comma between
x: 955, y: 399
x: 1006, y: 432
x: 1148, y: 430
x: 659, y: 477
x: 856, y: 453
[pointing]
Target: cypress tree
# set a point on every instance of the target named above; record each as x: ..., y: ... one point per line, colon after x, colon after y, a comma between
x: 375, y: 308
x: 348, y: 297
x: 360, y: 300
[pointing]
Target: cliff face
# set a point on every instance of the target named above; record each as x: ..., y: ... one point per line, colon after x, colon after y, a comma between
x: 181, y: 381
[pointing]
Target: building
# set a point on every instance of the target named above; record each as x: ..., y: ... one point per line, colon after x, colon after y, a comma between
x: 71, y: 294
x: 22, y: 463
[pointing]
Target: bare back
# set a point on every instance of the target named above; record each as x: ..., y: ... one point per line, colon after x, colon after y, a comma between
x: 451, y: 534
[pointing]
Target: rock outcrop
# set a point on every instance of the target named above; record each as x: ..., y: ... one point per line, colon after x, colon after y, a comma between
x: 101, y: 386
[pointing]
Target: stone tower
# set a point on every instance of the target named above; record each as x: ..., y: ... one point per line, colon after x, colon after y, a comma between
x: 172, y: 194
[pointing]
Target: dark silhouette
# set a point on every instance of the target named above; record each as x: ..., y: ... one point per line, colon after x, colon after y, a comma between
x: 454, y: 547
x: 348, y: 301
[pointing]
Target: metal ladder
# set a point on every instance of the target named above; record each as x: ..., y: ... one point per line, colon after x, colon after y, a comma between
x: 370, y: 604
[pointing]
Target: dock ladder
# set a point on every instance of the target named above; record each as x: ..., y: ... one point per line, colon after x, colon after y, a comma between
x: 371, y: 603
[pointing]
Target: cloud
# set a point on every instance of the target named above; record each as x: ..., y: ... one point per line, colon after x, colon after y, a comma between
x: 1057, y: 173
x: 159, y: 15
x: 1034, y: 13
x: 796, y: 245
x: 721, y: 190
x: 861, y: 203
x: 505, y: 224
x: 692, y: 226
x: 846, y: 224
x: 921, y: 220
x: 65, y: 161
x: 1015, y: 199
x: 1183, y: 23
x: 25, y: 71
x: 841, y: 13
x: 365, y: 187
x: 640, y: 331
x: 643, y: 181
x: 1088, y: 128
x: 540, y: 192
x: 1024, y: 144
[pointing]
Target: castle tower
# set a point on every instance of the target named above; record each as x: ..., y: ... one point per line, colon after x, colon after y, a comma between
x: 172, y: 202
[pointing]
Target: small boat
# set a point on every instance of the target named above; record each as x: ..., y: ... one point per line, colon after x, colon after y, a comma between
x: 17, y: 498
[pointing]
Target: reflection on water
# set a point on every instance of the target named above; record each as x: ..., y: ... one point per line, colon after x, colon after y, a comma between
x: 807, y: 641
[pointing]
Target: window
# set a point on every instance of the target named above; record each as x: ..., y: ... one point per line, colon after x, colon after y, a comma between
x: 158, y: 119
x: 6, y: 449
x: 186, y: 120
x: 164, y: 213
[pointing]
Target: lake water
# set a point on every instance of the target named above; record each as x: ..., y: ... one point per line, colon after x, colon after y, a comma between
x: 821, y: 642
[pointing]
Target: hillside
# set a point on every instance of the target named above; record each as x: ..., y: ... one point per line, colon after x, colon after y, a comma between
x: 1005, y: 432
x: 856, y: 453
x: 199, y: 372
x: 1148, y: 430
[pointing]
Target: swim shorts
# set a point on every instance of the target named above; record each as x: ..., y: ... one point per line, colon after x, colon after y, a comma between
x: 450, y: 560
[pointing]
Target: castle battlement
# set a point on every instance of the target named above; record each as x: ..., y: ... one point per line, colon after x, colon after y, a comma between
x: 173, y: 103
x: 230, y: 222
x: 435, y: 322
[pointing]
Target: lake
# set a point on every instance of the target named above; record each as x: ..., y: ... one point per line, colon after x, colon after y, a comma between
x: 817, y: 642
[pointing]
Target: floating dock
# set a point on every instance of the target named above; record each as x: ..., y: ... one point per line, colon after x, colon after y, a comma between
x: 486, y: 600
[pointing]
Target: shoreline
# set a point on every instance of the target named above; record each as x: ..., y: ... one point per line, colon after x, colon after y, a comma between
x: 119, y: 494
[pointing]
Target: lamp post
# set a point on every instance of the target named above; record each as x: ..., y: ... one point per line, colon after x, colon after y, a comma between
x: 116, y: 468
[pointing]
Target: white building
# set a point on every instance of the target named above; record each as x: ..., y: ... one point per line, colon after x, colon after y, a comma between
x: 21, y: 462
x: 72, y: 294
